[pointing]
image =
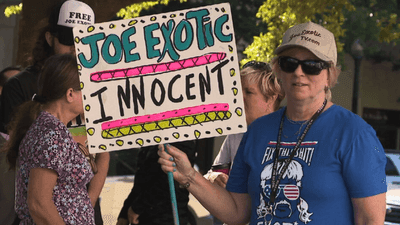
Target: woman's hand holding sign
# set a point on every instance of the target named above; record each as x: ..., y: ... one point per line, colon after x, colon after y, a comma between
x: 176, y: 161
x: 230, y: 207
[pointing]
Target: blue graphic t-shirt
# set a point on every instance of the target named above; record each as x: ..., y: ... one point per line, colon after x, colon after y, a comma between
x: 340, y: 158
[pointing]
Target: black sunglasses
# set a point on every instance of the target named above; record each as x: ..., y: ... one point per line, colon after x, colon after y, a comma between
x: 310, y: 67
x: 257, y: 65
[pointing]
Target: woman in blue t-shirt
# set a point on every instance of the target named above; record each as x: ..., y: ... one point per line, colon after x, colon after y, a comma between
x: 329, y: 167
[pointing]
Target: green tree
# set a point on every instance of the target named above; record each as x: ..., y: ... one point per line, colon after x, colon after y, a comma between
x: 283, y: 14
x: 373, y: 22
x: 134, y: 10
x: 263, y: 22
x: 377, y: 25
x: 245, y: 22
x: 13, y: 9
x: 260, y: 24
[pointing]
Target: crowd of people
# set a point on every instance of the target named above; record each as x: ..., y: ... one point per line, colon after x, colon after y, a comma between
x: 309, y: 162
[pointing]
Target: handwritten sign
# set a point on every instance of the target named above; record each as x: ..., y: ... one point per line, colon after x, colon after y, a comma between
x: 160, y: 79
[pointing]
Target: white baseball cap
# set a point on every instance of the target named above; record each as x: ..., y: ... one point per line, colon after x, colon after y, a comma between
x: 67, y: 15
x: 314, y: 37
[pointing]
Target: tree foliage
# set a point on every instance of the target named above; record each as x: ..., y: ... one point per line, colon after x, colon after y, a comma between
x: 245, y: 22
x: 132, y: 11
x: 13, y: 10
x: 376, y: 25
x: 283, y: 14
x: 260, y: 24
x: 263, y: 22
x: 384, y: 14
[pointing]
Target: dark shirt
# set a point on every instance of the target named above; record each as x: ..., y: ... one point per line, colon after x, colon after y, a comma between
x: 18, y: 89
x: 150, y: 196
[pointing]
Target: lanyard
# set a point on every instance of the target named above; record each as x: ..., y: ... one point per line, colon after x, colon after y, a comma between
x: 276, y: 178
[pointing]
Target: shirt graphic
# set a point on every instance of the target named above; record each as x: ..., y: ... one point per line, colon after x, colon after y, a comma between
x: 289, y: 208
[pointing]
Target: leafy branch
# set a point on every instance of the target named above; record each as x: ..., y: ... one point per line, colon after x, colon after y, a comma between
x: 134, y: 10
x: 13, y: 10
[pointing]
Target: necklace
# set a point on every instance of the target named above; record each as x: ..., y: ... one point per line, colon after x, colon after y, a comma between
x: 296, y: 122
x: 276, y: 177
x: 301, y: 123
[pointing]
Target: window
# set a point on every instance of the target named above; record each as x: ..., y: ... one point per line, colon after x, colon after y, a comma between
x: 391, y: 169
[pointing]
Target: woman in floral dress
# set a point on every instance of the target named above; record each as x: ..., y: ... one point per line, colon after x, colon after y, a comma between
x: 52, y: 170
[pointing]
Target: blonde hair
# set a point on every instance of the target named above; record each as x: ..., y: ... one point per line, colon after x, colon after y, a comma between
x: 267, y: 82
x: 333, y: 74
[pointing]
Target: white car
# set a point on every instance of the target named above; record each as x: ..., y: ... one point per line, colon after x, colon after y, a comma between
x: 393, y: 184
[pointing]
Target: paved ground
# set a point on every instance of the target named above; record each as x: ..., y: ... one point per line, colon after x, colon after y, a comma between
x: 116, y: 189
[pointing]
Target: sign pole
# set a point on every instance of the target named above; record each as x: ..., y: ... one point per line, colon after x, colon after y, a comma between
x: 172, y: 193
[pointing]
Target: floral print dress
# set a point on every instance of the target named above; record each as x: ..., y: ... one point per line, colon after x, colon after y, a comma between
x: 49, y: 144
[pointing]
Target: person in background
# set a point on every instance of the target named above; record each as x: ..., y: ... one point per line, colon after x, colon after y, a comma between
x: 262, y: 95
x: 52, y: 169
x: 7, y: 73
x: 312, y: 162
x: 149, y: 202
x: 55, y: 38
x: 7, y: 188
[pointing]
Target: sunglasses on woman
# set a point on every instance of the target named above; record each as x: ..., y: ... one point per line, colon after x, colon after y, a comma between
x: 257, y: 65
x: 310, y: 67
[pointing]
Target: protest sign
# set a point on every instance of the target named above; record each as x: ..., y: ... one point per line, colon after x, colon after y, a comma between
x: 159, y: 79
